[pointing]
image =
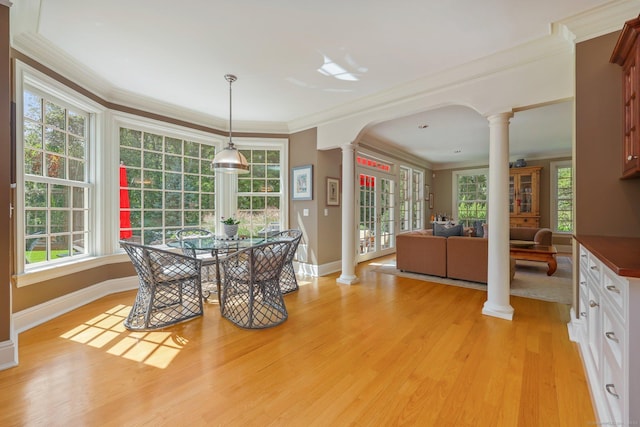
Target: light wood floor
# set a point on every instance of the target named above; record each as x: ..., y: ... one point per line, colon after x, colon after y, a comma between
x: 386, y: 351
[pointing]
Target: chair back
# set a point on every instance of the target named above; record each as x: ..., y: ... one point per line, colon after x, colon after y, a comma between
x: 170, y: 289
x: 256, y: 264
x: 154, y: 265
x: 294, y: 236
x: 250, y: 294
x: 185, y: 234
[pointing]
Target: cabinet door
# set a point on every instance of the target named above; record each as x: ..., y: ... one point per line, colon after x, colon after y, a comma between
x: 512, y: 194
x: 631, y: 161
x: 524, y: 200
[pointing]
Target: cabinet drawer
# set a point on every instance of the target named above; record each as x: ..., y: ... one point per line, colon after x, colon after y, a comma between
x: 584, y: 258
x: 613, y: 336
x: 594, y: 267
x: 613, y: 390
x: 615, y: 289
x: 531, y: 222
x: 594, y: 325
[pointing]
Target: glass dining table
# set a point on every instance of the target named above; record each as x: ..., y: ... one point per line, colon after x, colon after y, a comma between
x: 218, y: 247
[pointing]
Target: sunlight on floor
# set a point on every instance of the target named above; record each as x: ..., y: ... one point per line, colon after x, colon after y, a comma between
x: 156, y: 349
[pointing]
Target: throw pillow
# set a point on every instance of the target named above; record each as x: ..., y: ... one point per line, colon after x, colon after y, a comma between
x: 477, y: 225
x: 441, y: 230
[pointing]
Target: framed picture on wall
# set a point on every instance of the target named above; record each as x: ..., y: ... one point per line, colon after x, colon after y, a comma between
x: 333, y: 191
x: 430, y: 200
x: 302, y: 183
x: 427, y: 192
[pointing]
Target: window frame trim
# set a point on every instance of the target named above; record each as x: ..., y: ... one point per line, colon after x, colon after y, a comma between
x: 553, y: 190
x: 144, y: 124
x: 454, y: 187
x: 244, y: 143
x: 27, y: 77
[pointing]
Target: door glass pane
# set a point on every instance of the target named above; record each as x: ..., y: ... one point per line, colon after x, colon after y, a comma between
x: 367, y: 224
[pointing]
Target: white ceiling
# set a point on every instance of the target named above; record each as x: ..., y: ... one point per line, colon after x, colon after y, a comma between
x: 163, y: 55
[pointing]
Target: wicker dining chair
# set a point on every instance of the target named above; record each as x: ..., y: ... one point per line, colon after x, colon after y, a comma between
x: 288, y: 280
x: 209, y: 263
x: 250, y: 295
x: 169, y: 291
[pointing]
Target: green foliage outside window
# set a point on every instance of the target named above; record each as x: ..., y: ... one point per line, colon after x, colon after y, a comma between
x: 472, y: 198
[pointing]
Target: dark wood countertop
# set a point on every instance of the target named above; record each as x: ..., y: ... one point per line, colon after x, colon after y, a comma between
x: 620, y: 254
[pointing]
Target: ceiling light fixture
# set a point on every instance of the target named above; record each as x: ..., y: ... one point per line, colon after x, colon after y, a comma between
x: 423, y: 126
x: 230, y: 160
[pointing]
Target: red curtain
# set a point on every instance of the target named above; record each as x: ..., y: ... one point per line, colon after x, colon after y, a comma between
x: 125, y: 214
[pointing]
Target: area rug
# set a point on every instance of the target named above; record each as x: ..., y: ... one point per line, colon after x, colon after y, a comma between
x: 530, y: 280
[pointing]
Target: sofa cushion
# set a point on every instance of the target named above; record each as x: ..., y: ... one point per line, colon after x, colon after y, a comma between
x: 421, y: 253
x: 444, y: 231
x: 467, y: 259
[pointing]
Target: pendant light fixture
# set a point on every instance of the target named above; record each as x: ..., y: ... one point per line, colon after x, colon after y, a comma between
x: 230, y: 160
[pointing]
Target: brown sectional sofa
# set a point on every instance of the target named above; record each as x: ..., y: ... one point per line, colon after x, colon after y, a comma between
x: 456, y: 257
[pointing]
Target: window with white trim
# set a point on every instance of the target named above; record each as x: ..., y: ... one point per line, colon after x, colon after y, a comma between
x: 260, y: 198
x: 471, y: 196
x: 55, y: 153
x: 167, y: 184
x: 562, y: 200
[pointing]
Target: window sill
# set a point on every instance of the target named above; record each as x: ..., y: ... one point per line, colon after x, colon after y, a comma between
x: 54, y: 271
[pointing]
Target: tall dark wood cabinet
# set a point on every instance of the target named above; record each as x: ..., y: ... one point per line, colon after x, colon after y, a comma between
x: 627, y: 55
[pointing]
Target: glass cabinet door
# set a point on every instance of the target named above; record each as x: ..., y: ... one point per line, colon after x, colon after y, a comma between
x: 512, y: 194
x: 525, y: 194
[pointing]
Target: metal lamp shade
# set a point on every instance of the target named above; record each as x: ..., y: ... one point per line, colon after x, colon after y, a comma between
x: 230, y: 160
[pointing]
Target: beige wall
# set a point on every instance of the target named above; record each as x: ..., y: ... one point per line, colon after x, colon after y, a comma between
x: 605, y: 205
x: 5, y: 174
x: 38, y: 293
x: 330, y: 225
x: 302, y: 151
x: 322, y: 233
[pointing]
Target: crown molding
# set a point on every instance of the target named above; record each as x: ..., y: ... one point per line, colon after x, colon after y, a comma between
x: 48, y: 55
x: 601, y: 20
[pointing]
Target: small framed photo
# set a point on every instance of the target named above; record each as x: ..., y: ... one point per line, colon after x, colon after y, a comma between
x: 333, y: 191
x: 430, y: 200
x: 427, y: 192
x: 302, y: 183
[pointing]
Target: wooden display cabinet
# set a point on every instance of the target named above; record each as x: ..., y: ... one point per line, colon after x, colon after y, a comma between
x: 627, y: 54
x: 524, y: 197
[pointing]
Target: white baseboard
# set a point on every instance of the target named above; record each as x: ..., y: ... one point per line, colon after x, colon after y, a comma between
x: 34, y: 316
x: 313, y: 270
x: 332, y: 267
x: 574, y: 326
x: 9, y: 353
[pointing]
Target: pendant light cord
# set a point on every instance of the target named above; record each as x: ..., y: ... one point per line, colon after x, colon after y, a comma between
x: 230, y: 78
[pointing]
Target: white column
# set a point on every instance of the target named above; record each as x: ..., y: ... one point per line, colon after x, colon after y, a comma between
x: 348, y: 275
x: 498, y: 284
